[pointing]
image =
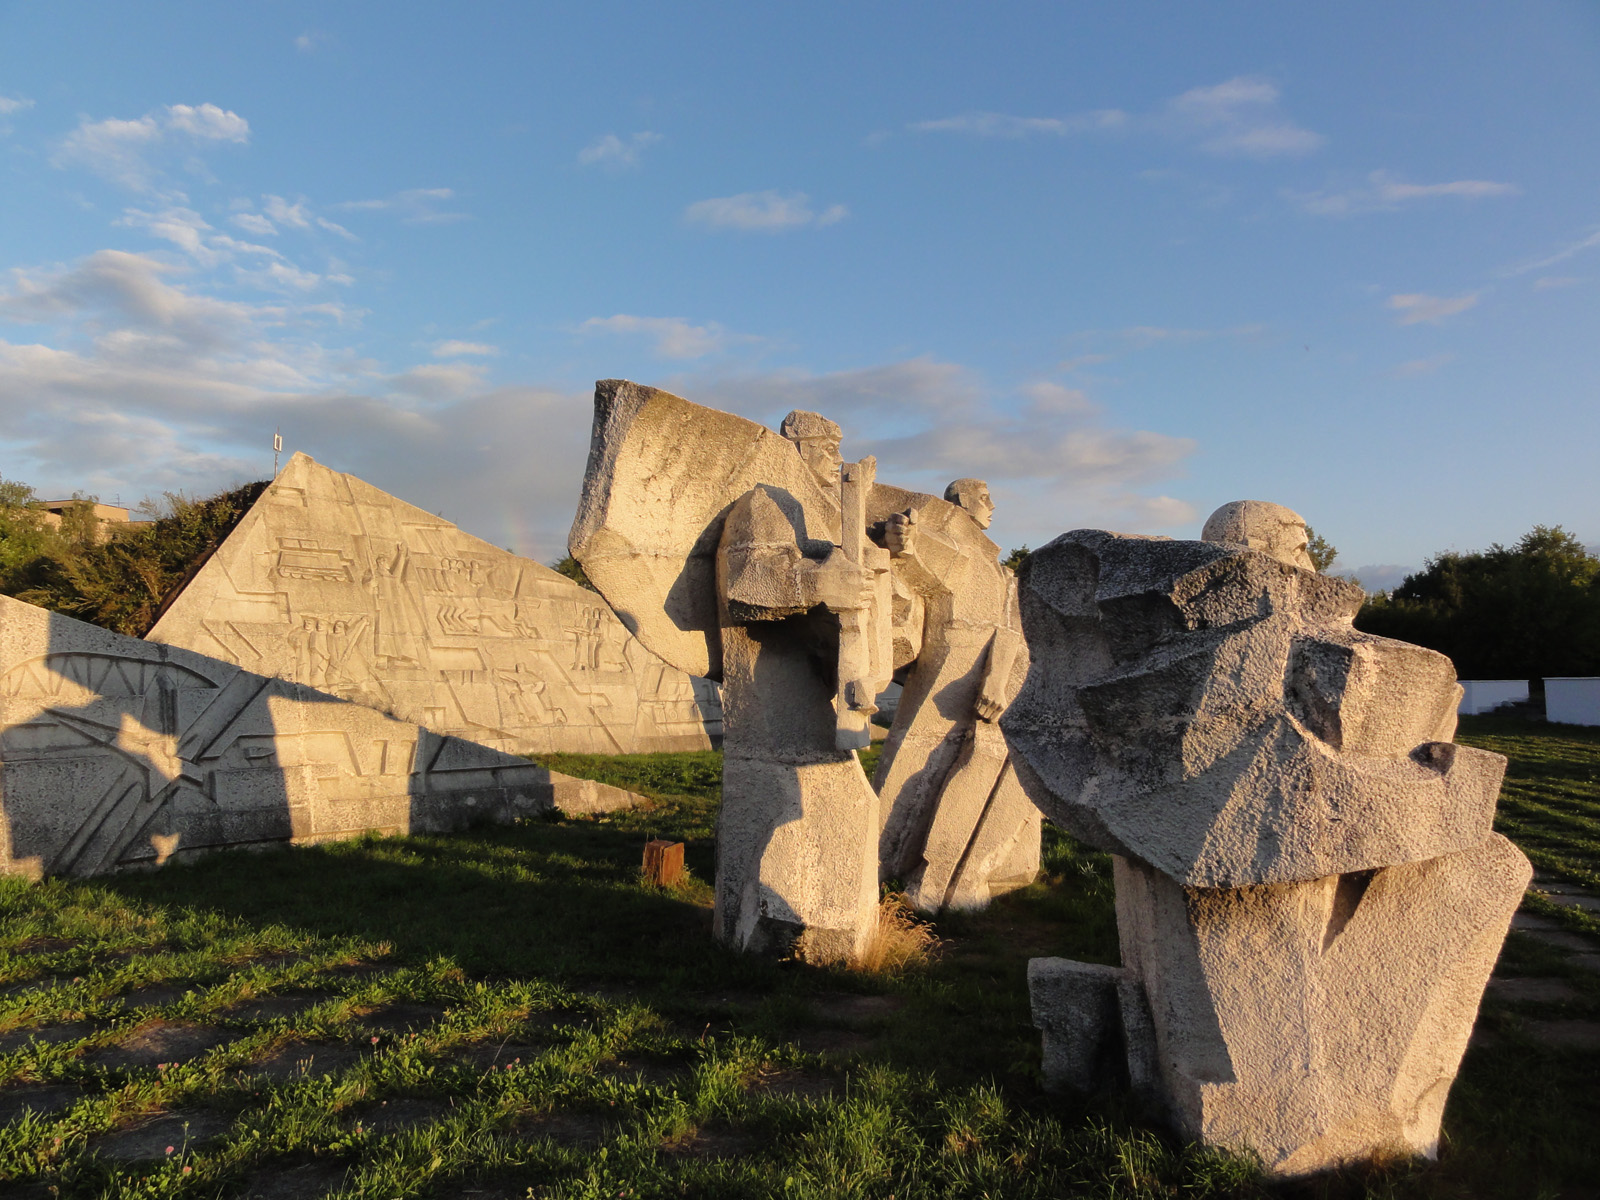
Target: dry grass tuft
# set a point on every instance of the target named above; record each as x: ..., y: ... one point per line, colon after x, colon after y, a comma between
x: 901, y: 942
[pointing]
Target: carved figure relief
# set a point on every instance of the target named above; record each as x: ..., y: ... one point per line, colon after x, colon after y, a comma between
x: 331, y: 583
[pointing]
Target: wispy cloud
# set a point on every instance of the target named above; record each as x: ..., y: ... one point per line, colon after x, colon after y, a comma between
x: 127, y: 152
x: 1004, y: 125
x: 279, y: 213
x: 415, y: 206
x: 1416, y: 308
x: 613, y: 151
x: 1238, y: 118
x: 311, y: 40
x: 140, y: 381
x: 762, y: 212
x: 1578, y: 247
x: 1051, y: 459
x: 1557, y: 281
x: 1419, y: 366
x: 674, y: 337
x: 1385, y: 193
x: 454, y: 349
x: 1139, y: 337
x: 13, y: 104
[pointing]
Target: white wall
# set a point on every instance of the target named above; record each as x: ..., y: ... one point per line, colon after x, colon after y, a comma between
x: 1572, y: 700
x: 1482, y: 695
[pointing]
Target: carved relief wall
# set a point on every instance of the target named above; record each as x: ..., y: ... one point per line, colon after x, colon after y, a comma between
x: 332, y: 583
x: 118, y: 752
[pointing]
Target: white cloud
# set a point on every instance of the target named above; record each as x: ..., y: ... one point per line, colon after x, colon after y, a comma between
x: 1003, y: 125
x: 674, y: 337
x: 139, y: 382
x: 454, y: 349
x: 1417, y: 308
x: 1419, y: 366
x: 1052, y: 463
x: 415, y: 206
x: 1054, y: 399
x: 1557, y: 281
x: 280, y: 210
x: 1239, y: 118
x: 126, y: 152
x: 13, y: 104
x: 254, y: 223
x: 311, y: 40
x: 613, y: 151
x: 762, y: 212
x: 1561, y: 255
x: 1384, y: 193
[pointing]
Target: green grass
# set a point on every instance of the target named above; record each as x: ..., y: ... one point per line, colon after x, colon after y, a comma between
x: 648, y: 1062
x: 1550, y: 801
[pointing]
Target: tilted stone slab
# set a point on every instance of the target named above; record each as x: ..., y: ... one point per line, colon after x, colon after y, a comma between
x: 331, y: 583
x: 1209, y: 710
x: 117, y: 752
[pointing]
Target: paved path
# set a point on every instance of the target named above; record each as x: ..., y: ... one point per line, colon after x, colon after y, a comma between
x: 1557, y: 1009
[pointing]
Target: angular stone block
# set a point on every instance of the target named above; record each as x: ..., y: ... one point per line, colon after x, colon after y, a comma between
x: 1209, y: 710
x: 331, y: 583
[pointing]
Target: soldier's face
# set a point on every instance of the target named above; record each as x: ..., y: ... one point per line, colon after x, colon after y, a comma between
x: 822, y: 456
x: 978, y: 506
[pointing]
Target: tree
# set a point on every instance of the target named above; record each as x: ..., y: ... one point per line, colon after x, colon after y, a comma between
x: 1524, y: 612
x: 573, y: 570
x: 120, y: 584
x: 1015, y: 558
x: 1322, y: 551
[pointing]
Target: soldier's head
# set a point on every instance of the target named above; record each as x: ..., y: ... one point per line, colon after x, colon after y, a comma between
x: 1270, y: 528
x: 817, y: 439
x: 972, y: 495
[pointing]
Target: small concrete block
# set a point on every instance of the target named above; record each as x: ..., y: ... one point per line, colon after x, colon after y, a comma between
x: 1076, y: 1006
x: 663, y: 862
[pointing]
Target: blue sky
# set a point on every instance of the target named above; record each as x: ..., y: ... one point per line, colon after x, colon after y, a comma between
x: 1128, y: 261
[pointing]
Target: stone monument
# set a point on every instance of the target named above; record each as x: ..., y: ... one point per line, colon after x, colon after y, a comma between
x: 331, y: 583
x: 117, y: 752
x: 954, y: 821
x: 764, y: 560
x: 1310, y: 897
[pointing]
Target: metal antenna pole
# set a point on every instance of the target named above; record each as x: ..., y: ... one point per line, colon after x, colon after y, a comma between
x: 277, y: 449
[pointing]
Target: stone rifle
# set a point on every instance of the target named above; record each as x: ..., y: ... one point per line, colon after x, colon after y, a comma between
x: 864, y: 633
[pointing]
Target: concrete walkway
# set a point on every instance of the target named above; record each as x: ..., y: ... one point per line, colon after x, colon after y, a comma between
x: 1556, y: 1009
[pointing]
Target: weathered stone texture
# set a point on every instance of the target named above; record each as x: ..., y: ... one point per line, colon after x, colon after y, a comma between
x: 1210, y: 711
x: 331, y: 583
x: 1309, y: 895
x: 724, y: 546
x: 118, y: 752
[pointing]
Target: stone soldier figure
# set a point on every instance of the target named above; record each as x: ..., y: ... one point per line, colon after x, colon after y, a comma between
x: 1309, y: 893
x: 955, y: 823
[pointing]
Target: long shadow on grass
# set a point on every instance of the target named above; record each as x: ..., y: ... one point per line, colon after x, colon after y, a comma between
x: 560, y: 901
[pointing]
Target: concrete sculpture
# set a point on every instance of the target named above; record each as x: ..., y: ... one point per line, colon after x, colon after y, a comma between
x: 1309, y: 894
x: 331, y: 583
x: 117, y: 752
x: 954, y: 821
x: 763, y: 560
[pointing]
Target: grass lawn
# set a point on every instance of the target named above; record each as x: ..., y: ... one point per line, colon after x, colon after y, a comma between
x: 512, y: 1012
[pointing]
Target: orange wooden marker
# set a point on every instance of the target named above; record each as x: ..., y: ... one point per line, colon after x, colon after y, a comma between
x: 663, y: 862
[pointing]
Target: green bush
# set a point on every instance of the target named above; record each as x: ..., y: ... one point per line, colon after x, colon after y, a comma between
x: 121, y: 583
